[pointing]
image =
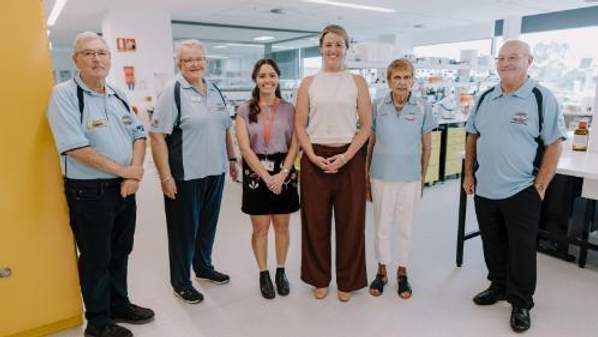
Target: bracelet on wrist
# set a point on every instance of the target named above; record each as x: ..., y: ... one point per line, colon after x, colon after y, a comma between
x: 232, y: 159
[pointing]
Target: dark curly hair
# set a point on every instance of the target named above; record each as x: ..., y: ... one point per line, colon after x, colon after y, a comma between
x: 254, y: 107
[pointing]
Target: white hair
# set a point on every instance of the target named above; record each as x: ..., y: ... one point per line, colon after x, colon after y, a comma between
x: 178, y: 48
x: 84, y: 37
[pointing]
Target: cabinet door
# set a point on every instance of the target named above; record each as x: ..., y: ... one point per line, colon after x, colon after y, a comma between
x: 39, y: 288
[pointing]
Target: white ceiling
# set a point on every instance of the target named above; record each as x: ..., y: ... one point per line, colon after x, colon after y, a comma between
x: 80, y: 15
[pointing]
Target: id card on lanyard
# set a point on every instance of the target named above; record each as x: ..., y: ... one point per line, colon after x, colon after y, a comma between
x: 268, y: 164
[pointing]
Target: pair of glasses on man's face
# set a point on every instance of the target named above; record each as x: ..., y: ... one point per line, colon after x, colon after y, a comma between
x: 191, y: 60
x: 88, y: 53
x: 509, y: 59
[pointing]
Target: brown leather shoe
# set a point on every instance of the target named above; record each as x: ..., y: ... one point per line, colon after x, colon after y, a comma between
x: 320, y: 293
x: 344, y: 296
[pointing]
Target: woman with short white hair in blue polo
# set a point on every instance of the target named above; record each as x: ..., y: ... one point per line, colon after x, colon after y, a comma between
x: 190, y: 141
x: 397, y: 159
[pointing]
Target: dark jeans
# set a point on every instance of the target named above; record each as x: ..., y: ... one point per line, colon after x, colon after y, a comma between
x: 103, y: 224
x: 509, y: 229
x: 191, y: 219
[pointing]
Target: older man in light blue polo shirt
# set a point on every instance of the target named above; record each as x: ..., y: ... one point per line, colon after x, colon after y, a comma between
x: 514, y: 136
x: 102, y: 147
x: 190, y: 145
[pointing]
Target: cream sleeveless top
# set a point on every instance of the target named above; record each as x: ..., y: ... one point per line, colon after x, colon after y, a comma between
x: 332, y: 108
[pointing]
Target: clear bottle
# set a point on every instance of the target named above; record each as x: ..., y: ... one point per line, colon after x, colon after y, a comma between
x: 581, y: 136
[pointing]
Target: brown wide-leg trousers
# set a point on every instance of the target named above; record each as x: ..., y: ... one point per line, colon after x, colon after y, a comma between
x: 344, y: 192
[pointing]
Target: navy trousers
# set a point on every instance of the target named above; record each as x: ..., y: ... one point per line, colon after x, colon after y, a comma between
x: 191, y: 220
x: 103, y: 224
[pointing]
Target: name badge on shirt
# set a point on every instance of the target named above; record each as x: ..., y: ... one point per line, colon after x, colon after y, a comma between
x: 127, y: 120
x: 196, y: 99
x: 519, y: 118
x: 267, y: 164
x: 97, y: 123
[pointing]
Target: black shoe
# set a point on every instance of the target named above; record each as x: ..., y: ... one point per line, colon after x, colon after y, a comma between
x: 520, y: 320
x: 266, y: 286
x: 134, y: 314
x: 489, y: 296
x: 111, y: 330
x: 214, y: 277
x: 282, y: 284
x: 190, y: 295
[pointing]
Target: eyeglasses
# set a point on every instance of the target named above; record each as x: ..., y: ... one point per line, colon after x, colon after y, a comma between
x: 191, y: 60
x: 510, y: 59
x: 88, y: 53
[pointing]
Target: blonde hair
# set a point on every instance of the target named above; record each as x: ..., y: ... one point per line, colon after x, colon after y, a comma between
x: 178, y: 48
x: 84, y: 37
x: 399, y: 64
x: 336, y: 29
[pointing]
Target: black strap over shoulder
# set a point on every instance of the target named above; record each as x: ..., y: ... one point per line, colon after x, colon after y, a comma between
x: 81, y: 100
x: 540, y: 149
x: 219, y: 93
x: 482, y: 98
x: 177, y: 101
x: 80, y: 96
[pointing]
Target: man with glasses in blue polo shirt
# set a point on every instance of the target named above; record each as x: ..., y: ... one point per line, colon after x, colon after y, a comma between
x: 513, y: 147
x: 102, y: 147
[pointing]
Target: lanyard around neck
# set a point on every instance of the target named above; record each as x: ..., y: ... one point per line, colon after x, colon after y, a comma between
x: 268, y: 128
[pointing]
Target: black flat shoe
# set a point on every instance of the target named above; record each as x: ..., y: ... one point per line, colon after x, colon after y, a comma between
x: 405, y: 290
x: 266, y: 286
x: 377, y: 286
x: 520, y: 319
x: 489, y: 297
x: 133, y: 314
x: 282, y: 284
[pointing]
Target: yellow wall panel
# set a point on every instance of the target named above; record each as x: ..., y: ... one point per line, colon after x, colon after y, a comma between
x: 42, y: 294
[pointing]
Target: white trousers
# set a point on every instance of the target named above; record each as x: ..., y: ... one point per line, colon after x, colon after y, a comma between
x: 394, y: 203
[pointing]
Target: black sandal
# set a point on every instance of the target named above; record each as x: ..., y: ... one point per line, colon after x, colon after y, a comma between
x: 404, y: 287
x: 377, y: 286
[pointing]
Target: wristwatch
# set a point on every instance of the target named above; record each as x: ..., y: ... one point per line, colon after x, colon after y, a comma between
x: 232, y: 159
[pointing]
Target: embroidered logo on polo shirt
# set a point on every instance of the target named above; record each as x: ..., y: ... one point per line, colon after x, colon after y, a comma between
x: 519, y: 118
x: 155, y: 122
x: 410, y: 117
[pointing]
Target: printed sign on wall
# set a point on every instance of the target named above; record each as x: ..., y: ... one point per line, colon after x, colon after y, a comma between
x: 126, y: 44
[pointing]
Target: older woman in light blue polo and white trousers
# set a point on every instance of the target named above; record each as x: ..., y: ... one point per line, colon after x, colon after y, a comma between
x: 399, y: 152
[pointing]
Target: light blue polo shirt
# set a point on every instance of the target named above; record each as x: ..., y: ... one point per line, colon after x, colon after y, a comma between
x: 107, y: 126
x: 204, y: 121
x: 397, y: 152
x: 506, y: 148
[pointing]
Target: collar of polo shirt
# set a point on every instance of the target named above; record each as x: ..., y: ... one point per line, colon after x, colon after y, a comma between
x: 388, y: 99
x: 523, y: 92
x: 186, y: 85
x: 83, y: 86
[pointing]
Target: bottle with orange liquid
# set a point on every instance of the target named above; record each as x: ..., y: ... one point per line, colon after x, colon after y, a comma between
x: 581, y: 136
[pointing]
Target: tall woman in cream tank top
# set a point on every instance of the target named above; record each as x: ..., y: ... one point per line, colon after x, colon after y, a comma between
x: 333, y: 169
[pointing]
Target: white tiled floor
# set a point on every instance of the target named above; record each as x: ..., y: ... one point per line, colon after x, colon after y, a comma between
x: 566, y: 296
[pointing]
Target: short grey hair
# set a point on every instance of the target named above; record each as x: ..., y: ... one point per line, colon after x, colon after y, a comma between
x: 178, y: 48
x: 82, y: 38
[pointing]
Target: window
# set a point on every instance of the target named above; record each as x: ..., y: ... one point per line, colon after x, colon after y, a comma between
x: 453, y: 50
x: 566, y: 61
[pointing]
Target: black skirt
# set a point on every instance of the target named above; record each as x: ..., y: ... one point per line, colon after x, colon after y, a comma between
x: 259, y: 200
